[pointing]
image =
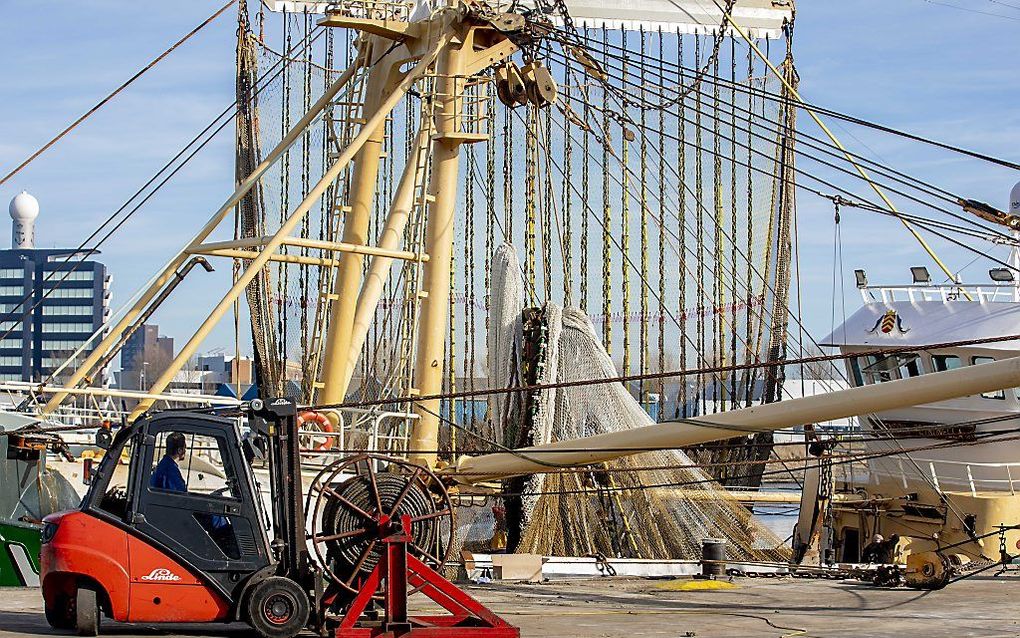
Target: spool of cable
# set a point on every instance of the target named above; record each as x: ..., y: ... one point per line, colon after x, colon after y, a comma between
x: 357, y: 502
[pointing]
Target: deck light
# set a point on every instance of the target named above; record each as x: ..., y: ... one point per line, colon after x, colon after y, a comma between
x: 920, y: 274
x: 861, y: 277
x: 1002, y: 275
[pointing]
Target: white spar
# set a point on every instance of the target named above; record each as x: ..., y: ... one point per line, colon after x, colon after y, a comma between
x: 929, y: 388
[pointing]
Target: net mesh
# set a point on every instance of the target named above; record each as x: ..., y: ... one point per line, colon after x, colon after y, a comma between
x: 621, y: 508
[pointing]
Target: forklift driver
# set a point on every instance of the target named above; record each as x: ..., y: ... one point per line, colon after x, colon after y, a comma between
x: 167, y: 475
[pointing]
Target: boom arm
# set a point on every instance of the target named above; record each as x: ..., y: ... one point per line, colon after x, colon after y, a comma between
x: 891, y: 395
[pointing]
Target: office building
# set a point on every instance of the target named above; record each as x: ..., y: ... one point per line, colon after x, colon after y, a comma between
x: 145, y: 355
x: 51, y: 302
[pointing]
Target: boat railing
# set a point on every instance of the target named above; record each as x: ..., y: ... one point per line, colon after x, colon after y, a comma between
x: 371, y: 9
x: 465, y: 114
x: 978, y: 477
x: 948, y: 292
x: 383, y: 432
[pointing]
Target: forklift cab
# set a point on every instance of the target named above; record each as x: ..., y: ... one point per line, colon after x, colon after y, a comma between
x: 173, y: 537
x: 212, y: 520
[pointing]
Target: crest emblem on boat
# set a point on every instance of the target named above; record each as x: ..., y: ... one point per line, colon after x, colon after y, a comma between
x: 888, y: 322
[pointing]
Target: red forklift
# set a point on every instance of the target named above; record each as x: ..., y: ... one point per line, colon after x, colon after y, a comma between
x: 183, y: 537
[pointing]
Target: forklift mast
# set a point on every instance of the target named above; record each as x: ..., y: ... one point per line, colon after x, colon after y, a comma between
x: 276, y: 419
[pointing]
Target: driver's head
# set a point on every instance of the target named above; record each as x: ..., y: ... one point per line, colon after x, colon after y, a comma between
x: 176, y: 446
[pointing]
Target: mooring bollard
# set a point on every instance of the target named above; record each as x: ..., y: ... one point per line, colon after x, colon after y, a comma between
x: 713, y: 557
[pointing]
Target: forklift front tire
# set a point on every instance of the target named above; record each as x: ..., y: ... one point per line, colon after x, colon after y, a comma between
x: 87, y: 612
x: 277, y: 608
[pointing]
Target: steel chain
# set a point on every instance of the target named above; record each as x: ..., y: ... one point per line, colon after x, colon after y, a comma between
x: 570, y: 36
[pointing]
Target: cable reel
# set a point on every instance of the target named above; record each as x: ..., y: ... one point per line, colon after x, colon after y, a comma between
x: 353, y: 506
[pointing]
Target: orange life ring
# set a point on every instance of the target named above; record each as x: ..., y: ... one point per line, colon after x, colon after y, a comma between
x: 324, y: 425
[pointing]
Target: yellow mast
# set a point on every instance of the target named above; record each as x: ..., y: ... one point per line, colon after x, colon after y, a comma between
x: 435, y: 304
x: 362, y: 197
x: 470, y: 45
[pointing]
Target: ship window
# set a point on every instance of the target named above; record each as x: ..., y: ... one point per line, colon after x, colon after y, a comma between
x: 944, y: 362
x: 855, y: 369
x: 995, y: 394
x: 896, y: 366
x: 875, y: 370
x: 910, y: 365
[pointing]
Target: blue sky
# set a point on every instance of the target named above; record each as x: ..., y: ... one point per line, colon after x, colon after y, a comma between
x: 921, y: 66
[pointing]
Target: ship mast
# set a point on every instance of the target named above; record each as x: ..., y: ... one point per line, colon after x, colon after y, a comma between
x: 446, y: 51
x: 471, y: 44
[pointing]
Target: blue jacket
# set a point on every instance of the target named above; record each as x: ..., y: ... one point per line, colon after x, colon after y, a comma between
x: 167, y: 476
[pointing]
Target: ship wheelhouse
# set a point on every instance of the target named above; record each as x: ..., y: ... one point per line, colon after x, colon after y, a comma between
x: 910, y: 331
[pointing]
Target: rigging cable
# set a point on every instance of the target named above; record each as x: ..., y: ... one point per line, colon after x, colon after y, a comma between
x: 681, y: 229
x: 801, y: 104
x: 971, y: 9
x: 826, y: 148
x: 585, y: 195
x: 625, y: 229
x: 874, y: 418
x: 216, y: 125
x: 814, y: 178
x: 607, y: 220
x: 42, y: 149
x: 748, y: 385
x: 661, y: 315
x: 643, y: 336
x: 699, y: 196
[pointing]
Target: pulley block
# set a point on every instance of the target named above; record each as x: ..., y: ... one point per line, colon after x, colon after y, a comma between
x: 539, y: 82
x: 588, y: 63
x: 510, y: 87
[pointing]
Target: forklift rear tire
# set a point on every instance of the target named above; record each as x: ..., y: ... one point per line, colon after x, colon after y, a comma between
x: 87, y: 612
x: 61, y: 614
x: 277, y: 608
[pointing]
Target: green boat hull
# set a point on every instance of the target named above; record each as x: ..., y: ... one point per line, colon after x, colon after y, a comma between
x: 19, y: 560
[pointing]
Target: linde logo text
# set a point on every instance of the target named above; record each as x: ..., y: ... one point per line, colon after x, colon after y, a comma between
x: 161, y: 574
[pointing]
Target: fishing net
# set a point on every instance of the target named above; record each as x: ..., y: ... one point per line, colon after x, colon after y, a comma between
x: 622, y: 507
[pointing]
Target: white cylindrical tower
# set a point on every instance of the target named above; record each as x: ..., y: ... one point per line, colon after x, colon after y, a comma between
x: 23, y: 209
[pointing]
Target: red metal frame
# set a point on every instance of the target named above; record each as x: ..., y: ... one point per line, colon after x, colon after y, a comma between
x: 468, y: 618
